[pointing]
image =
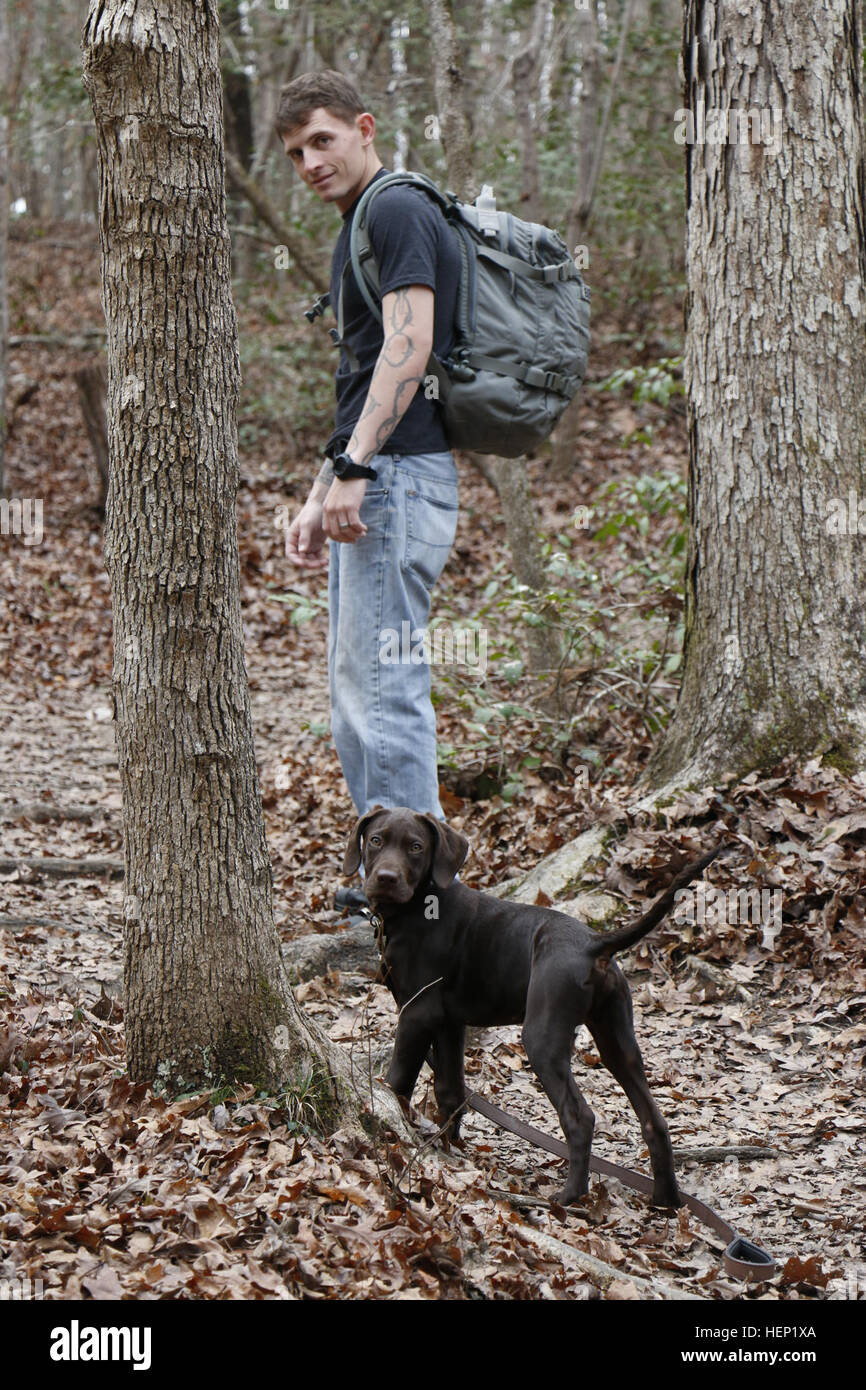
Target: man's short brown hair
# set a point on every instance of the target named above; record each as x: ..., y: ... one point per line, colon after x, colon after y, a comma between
x: 305, y: 94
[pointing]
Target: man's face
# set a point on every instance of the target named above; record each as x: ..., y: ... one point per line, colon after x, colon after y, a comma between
x: 333, y: 156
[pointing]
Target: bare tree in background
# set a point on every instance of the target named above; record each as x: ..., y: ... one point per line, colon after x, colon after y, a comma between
x: 237, y: 96
x: 590, y: 51
x: 593, y: 121
x: 525, y: 76
x: 508, y: 476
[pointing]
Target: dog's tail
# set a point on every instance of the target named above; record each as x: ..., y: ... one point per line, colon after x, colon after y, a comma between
x: 610, y: 942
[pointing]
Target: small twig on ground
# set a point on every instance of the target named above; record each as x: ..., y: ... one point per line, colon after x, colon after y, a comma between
x: 600, y: 1273
x: 718, y: 1153
x: 523, y: 1201
x: 718, y: 978
x: 47, y: 810
x: 65, y: 868
x: 16, y: 924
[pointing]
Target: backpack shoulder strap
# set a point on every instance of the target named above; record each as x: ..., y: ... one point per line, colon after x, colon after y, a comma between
x: 361, y: 255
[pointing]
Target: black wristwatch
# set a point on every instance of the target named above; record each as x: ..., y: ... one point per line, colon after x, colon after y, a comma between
x: 346, y: 467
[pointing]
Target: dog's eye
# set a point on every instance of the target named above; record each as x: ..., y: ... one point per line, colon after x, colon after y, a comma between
x: 416, y: 847
x: 375, y: 840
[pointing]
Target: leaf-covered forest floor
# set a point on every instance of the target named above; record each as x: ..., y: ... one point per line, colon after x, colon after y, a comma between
x: 750, y: 1037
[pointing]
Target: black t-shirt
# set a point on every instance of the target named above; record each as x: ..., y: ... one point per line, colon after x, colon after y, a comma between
x: 413, y: 245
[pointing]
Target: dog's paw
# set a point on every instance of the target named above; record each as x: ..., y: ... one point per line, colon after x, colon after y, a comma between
x: 668, y: 1197
x: 568, y: 1196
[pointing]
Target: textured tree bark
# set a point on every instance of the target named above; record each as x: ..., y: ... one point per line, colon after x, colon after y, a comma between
x: 206, y: 997
x: 775, y: 658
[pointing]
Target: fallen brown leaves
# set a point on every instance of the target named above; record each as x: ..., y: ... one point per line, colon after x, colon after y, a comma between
x: 108, y: 1191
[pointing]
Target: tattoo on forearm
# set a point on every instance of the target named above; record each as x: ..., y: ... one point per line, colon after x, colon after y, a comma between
x: 398, y: 346
x: 372, y: 405
x: 398, y: 349
x: 401, y: 314
x: 408, y: 386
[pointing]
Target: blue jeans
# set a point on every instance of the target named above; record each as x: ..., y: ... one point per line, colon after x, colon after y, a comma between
x: 382, y: 720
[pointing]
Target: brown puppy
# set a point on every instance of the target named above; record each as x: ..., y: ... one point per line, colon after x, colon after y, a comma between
x: 453, y: 956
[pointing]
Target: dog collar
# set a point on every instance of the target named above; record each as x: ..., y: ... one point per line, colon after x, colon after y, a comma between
x: 377, y: 922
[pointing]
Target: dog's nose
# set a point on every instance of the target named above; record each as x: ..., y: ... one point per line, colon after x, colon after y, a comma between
x: 386, y: 877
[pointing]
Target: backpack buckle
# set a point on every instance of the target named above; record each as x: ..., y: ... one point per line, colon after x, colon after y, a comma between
x: 547, y: 381
x: 459, y: 369
x: 317, y: 308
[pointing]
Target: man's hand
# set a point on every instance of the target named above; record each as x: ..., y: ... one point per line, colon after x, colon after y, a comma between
x: 341, y: 513
x: 305, y: 538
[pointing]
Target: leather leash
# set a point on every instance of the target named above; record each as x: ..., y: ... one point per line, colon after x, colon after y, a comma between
x: 742, y: 1258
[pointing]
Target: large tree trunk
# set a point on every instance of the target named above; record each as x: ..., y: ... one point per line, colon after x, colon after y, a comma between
x: 776, y: 371
x: 508, y: 476
x: 205, y: 992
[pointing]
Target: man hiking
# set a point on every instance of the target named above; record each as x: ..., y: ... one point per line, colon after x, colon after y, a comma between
x: 387, y: 497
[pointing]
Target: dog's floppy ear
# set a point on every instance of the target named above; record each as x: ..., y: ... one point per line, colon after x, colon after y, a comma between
x: 352, y: 857
x: 451, y: 850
